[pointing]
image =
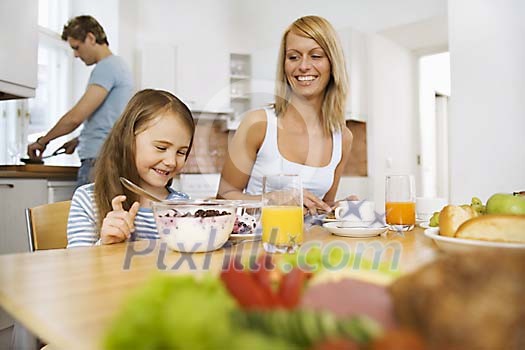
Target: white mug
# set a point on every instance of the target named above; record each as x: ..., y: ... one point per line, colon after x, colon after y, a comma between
x: 355, y: 213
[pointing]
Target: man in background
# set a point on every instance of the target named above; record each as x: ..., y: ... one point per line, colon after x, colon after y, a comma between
x: 109, y: 88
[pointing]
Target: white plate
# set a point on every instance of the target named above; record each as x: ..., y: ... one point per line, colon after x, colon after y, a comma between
x: 356, y: 232
x: 462, y: 244
x: 425, y: 224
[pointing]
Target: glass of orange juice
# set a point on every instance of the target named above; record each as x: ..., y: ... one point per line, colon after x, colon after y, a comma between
x: 400, y: 202
x: 282, y: 213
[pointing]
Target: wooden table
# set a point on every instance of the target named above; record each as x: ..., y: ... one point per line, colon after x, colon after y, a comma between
x: 68, y: 297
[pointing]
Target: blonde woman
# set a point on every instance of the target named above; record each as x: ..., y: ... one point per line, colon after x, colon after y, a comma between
x: 304, y: 132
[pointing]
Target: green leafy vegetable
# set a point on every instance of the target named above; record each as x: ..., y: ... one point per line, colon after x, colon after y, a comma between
x: 180, y: 312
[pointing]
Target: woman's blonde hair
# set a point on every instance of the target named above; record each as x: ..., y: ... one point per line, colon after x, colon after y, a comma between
x: 117, y: 156
x: 333, y: 107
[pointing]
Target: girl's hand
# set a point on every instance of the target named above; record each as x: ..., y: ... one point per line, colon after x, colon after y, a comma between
x: 312, y: 203
x: 118, y: 224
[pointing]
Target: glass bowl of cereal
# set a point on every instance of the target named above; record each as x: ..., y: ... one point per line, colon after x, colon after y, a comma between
x: 195, y: 226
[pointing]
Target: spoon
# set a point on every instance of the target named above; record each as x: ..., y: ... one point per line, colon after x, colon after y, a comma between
x: 138, y: 190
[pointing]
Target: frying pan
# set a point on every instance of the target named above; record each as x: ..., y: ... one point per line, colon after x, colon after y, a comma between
x: 40, y: 161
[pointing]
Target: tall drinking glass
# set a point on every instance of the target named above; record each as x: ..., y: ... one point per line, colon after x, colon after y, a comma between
x: 400, y: 202
x: 282, y: 213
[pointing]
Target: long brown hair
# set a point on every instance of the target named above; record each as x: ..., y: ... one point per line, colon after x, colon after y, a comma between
x: 117, y: 156
x: 333, y: 107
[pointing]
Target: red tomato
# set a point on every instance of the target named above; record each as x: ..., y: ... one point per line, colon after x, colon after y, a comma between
x: 291, y: 288
x: 245, y: 289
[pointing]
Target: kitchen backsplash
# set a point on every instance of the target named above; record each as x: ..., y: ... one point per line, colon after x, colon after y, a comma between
x: 210, y: 145
x: 358, y: 163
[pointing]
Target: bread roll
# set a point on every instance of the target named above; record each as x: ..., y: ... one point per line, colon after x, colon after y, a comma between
x: 452, y: 216
x: 498, y: 228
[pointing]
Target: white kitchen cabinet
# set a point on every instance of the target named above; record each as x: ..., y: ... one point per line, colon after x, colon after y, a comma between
x: 355, y: 50
x: 203, y: 78
x: 18, y: 48
x: 158, y: 67
x: 18, y: 194
x: 58, y: 191
x: 201, y: 81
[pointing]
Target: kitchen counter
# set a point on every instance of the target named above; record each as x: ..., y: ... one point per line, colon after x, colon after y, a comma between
x: 38, y: 171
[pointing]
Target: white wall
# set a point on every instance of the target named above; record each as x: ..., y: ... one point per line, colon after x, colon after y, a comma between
x: 107, y: 14
x: 266, y: 20
x: 392, y: 122
x: 127, y: 31
x: 487, y: 106
x: 434, y: 77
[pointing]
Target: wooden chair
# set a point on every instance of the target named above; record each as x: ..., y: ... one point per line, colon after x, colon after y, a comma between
x: 47, y: 225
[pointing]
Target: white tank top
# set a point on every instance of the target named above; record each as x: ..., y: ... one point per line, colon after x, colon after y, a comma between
x: 269, y: 161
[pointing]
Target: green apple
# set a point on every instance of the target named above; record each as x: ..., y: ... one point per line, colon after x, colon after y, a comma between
x: 506, y: 203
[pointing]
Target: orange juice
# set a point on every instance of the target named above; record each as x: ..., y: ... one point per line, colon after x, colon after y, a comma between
x: 286, y: 222
x: 400, y: 213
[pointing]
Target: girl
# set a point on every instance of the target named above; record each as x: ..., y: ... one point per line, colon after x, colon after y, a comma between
x: 305, y: 132
x: 148, y: 145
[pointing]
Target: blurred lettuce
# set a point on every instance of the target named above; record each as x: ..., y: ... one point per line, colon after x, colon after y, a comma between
x: 181, y: 312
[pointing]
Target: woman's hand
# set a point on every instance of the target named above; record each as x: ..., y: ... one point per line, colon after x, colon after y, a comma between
x: 312, y: 203
x: 118, y: 224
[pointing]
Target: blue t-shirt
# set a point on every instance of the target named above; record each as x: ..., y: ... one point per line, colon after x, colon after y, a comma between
x: 112, y: 74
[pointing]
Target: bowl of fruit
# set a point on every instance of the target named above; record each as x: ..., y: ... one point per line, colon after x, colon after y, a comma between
x: 195, y: 226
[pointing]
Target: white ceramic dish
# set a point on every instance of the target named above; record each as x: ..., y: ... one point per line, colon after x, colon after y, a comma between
x: 355, y: 232
x: 424, y: 224
x: 462, y: 244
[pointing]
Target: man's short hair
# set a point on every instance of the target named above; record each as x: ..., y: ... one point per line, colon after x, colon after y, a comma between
x: 78, y: 28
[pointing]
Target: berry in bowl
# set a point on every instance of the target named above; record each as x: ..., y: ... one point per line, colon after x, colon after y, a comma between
x: 248, y: 220
x: 194, y: 226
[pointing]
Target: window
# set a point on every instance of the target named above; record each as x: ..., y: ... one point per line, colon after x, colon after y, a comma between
x: 53, y: 95
x: 23, y: 121
x: 54, y: 80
